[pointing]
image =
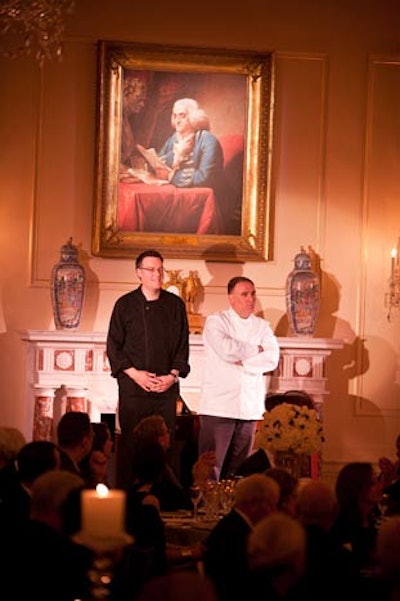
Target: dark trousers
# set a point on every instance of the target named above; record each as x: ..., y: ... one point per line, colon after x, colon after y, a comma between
x: 231, y: 439
x: 131, y: 410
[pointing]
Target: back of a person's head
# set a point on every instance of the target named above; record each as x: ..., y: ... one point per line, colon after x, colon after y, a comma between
x: 277, y: 545
x: 50, y: 491
x: 72, y: 428
x: 299, y: 397
x: 352, y: 482
x: 317, y: 504
x: 393, y: 498
x: 150, y: 464
x: 294, y: 397
x: 11, y: 442
x: 101, y: 433
x: 388, y: 550
x: 287, y: 483
x: 148, y: 430
x: 178, y: 586
x: 36, y: 458
x: 256, y: 487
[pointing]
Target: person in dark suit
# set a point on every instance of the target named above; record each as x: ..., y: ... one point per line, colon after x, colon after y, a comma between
x: 42, y: 561
x: 11, y: 441
x: 225, y: 548
x: 34, y: 459
x: 329, y: 565
x: 95, y: 467
x: 75, y: 439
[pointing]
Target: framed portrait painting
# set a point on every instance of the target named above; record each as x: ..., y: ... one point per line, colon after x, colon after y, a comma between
x: 183, y: 153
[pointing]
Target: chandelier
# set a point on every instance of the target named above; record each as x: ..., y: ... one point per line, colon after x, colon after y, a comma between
x: 33, y: 28
x: 393, y: 296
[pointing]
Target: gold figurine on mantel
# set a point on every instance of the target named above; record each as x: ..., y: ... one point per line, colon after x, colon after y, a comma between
x: 189, y: 289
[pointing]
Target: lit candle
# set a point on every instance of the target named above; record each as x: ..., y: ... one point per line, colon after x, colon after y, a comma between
x: 103, y: 512
x: 394, y: 255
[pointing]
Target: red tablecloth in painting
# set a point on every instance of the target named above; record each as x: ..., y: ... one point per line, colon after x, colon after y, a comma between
x: 153, y: 208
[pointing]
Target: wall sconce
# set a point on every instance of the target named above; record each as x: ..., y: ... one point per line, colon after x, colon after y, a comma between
x: 393, y: 296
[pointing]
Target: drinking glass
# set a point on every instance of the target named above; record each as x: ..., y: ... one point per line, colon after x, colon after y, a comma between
x: 210, y: 495
x: 195, y: 496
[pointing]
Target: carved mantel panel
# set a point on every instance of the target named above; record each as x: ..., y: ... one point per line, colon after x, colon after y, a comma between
x: 70, y: 370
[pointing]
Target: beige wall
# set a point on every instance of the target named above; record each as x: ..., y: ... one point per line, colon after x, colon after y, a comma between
x: 335, y: 172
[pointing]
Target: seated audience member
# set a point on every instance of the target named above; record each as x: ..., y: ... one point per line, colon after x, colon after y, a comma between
x: 11, y: 441
x: 35, y: 458
x: 388, y: 560
x: 358, y: 493
x: 390, y: 470
x: 259, y: 461
x: 294, y: 397
x: 392, y: 498
x: 149, y: 555
x: 41, y: 561
x: 224, y: 554
x: 95, y: 466
x: 256, y: 463
x: 288, y: 486
x: 329, y: 565
x: 168, y: 489
x: 75, y: 437
x: 179, y: 586
x: 277, y: 558
x: 148, y: 468
x: 390, y: 477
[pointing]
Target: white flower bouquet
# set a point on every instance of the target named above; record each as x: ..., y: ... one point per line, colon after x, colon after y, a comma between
x: 293, y: 428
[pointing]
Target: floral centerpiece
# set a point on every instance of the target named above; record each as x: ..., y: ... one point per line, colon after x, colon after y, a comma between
x: 290, y: 428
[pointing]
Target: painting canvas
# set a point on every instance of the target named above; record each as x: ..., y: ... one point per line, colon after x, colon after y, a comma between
x: 183, y: 153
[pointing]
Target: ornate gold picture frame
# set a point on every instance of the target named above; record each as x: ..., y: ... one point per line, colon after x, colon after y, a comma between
x: 203, y: 196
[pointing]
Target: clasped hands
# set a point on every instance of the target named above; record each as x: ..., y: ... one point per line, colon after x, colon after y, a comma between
x: 150, y: 382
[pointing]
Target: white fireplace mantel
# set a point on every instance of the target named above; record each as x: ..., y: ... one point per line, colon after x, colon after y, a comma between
x: 70, y: 370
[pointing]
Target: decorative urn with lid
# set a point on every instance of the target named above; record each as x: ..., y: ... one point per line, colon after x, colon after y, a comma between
x: 68, y: 281
x: 302, y: 296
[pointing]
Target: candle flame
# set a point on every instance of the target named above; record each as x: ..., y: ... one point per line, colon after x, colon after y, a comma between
x: 102, y: 490
x: 393, y: 253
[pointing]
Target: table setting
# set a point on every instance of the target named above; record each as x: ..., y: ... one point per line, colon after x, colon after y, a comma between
x: 210, y: 502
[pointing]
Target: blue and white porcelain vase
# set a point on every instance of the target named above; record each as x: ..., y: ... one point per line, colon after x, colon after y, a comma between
x: 302, y: 296
x: 68, y: 282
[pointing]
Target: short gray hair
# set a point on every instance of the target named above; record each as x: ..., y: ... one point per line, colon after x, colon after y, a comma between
x: 257, y: 487
x: 11, y: 442
x: 277, y: 542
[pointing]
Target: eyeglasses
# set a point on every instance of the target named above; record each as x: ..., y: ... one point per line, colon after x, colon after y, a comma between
x: 153, y: 269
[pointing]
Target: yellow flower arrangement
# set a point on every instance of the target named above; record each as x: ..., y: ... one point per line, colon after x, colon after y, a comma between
x: 293, y: 428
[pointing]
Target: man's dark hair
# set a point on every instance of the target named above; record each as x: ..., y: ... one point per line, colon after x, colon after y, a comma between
x: 72, y: 428
x: 237, y: 280
x: 148, y: 253
x: 101, y: 433
x: 294, y: 397
x: 149, y: 464
x: 36, y: 458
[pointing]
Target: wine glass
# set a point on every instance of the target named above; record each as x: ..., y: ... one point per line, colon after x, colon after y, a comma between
x: 383, y: 507
x: 195, y: 496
